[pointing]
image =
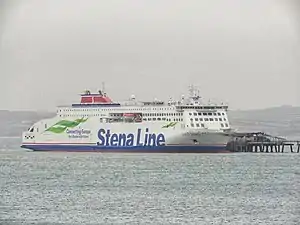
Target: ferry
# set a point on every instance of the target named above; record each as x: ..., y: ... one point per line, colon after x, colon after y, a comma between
x: 99, y: 124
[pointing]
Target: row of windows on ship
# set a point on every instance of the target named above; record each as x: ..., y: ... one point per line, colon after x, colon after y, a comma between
x: 181, y: 114
x: 180, y: 119
x: 203, y: 125
x: 162, y: 114
x: 166, y: 119
x: 206, y: 114
x: 129, y: 109
x: 113, y: 109
x: 194, y: 122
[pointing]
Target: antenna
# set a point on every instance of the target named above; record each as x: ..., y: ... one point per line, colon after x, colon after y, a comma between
x: 103, y: 87
x: 191, y: 89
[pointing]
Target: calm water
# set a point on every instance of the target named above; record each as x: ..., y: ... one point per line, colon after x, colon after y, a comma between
x: 95, y: 188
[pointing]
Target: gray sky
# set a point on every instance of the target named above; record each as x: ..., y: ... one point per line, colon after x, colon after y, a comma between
x: 243, y: 52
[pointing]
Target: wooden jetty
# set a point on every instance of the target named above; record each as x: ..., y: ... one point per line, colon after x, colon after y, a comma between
x: 261, y: 142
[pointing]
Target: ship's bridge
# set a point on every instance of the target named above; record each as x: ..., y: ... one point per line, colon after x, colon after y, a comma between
x: 194, y: 102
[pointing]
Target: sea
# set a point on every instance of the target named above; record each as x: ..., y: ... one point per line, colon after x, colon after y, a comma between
x: 114, y: 188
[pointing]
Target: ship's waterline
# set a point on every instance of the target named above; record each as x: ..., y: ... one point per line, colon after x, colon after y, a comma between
x: 134, y: 149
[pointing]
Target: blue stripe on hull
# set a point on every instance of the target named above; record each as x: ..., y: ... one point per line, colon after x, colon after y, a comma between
x: 137, y: 149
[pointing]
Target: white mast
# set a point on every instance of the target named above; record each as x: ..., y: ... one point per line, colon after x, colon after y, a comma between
x: 103, y: 87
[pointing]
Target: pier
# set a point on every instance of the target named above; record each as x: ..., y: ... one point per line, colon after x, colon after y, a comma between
x: 262, y: 142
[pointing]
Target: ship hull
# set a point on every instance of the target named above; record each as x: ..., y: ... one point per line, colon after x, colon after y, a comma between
x: 92, y: 136
x: 136, y: 149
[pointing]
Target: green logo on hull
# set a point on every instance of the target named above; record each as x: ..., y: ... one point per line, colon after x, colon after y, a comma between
x: 62, y: 125
x: 171, y: 124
